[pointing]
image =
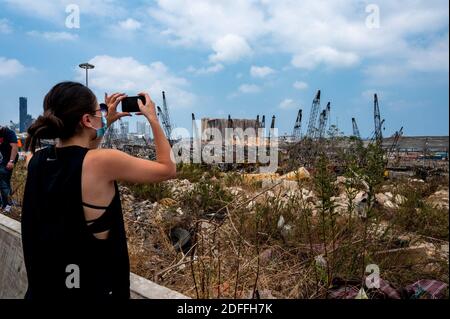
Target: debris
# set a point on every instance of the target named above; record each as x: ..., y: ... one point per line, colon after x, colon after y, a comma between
x: 415, y: 180
x: 388, y: 201
x: 301, y: 173
x: 390, y: 204
x: 422, y: 289
x: 406, y: 256
x: 308, y: 196
x: 168, y: 202
x: 260, y: 294
x: 341, y: 180
x: 265, y: 256
x: 361, y: 294
x: 260, y: 177
x: 361, y: 207
x: 251, y: 205
x: 400, y: 199
x: 427, y: 289
x: 287, y: 232
x: 320, y: 261
x: 270, y: 194
x: 280, y: 223
x: 180, y: 238
x: 439, y: 199
x: 381, y: 198
x: 235, y: 191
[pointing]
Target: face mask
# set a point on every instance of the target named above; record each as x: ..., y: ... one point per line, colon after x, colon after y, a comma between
x: 101, y: 131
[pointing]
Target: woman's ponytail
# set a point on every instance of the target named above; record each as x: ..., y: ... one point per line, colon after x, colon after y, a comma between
x: 64, y: 106
x: 46, y: 126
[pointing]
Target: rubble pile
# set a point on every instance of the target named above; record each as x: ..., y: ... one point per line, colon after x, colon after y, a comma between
x: 439, y: 199
x: 152, y: 225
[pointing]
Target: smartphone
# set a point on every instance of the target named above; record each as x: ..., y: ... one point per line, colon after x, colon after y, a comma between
x: 130, y: 103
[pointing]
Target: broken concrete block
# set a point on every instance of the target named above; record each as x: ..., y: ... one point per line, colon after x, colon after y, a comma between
x: 405, y: 256
x: 439, y: 199
x: 400, y: 199
x: 390, y: 204
x: 301, y: 173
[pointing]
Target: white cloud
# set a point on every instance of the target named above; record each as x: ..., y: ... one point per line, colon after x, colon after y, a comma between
x: 206, y: 70
x: 54, y: 10
x: 125, y: 74
x: 330, y: 34
x: 300, y: 85
x: 261, y: 72
x: 5, y: 27
x: 287, y: 104
x: 43, y: 9
x: 10, y: 67
x: 54, y: 36
x: 249, y: 88
x: 385, y: 74
x: 324, y: 55
x: 230, y: 48
x: 204, y: 22
x: 130, y: 24
x: 433, y: 58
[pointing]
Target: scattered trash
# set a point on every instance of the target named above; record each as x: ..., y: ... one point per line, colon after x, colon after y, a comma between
x: 180, y: 238
x: 361, y: 294
x: 320, y: 261
x: 422, y: 289
x: 280, y: 223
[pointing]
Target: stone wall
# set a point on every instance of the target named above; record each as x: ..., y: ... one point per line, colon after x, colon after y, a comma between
x: 13, y: 280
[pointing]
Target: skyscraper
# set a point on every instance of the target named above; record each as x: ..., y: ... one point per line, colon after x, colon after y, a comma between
x: 124, y: 129
x: 25, y: 119
x: 140, y: 128
x: 23, y: 112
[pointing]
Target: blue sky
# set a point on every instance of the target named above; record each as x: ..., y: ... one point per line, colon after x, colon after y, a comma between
x: 239, y: 57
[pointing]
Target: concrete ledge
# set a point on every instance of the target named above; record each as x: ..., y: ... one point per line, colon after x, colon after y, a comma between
x: 13, y: 280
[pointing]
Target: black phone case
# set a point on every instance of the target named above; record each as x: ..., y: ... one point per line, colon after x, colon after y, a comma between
x: 130, y: 104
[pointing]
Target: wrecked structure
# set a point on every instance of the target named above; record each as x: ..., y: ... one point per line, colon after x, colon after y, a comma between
x: 210, y: 127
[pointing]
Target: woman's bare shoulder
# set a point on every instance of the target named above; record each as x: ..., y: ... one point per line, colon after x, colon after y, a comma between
x: 103, y: 160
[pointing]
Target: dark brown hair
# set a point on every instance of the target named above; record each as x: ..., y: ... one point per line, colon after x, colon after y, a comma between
x: 64, y: 106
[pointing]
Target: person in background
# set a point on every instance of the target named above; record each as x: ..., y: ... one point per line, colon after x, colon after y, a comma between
x: 8, y: 157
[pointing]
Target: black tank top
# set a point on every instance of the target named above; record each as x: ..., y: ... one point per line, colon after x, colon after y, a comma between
x: 58, y: 244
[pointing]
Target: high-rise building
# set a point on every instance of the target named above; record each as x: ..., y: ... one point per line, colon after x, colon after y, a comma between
x: 124, y: 129
x: 148, y: 129
x: 25, y: 119
x: 140, y: 128
x: 23, y: 112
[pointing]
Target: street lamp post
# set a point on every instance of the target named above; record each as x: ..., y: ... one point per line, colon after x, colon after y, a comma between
x: 86, y: 66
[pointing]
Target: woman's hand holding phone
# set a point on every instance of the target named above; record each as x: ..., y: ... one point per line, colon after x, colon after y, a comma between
x: 149, y: 109
x: 112, y: 101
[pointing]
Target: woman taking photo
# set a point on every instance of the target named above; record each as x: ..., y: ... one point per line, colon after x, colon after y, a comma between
x: 73, y: 234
